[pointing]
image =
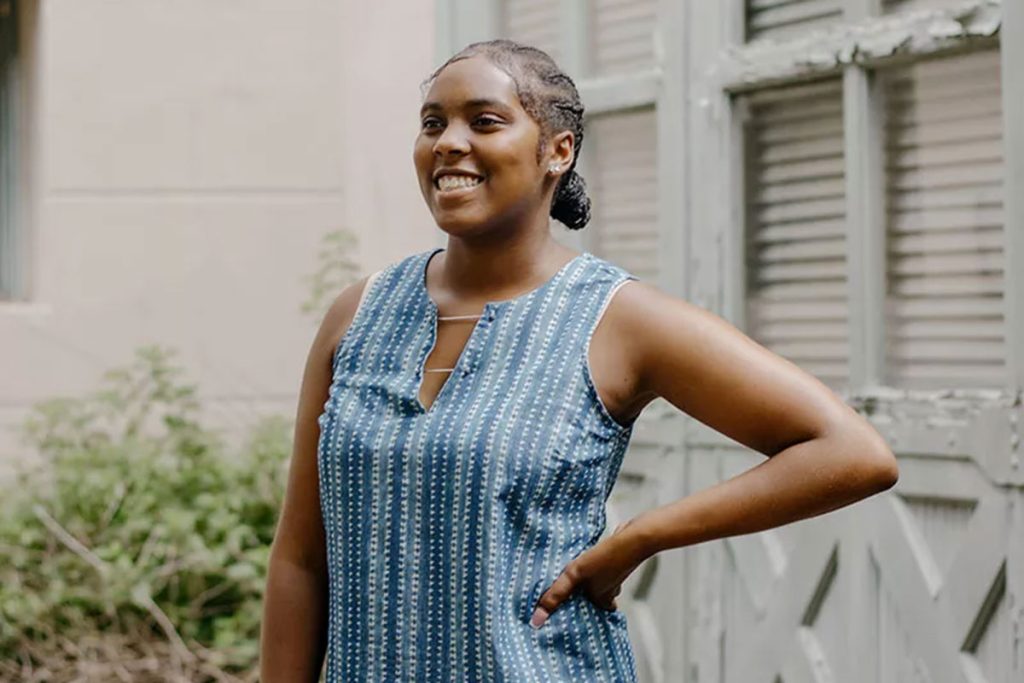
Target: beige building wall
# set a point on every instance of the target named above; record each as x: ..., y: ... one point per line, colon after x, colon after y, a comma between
x: 183, y: 159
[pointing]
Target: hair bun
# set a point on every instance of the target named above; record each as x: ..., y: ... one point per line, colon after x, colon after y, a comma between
x: 571, y: 205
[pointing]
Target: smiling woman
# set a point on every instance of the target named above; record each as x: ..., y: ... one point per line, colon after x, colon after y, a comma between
x: 448, y: 485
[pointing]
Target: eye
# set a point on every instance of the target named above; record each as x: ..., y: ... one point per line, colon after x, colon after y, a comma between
x: 431, y: 123
x: 486, y: 121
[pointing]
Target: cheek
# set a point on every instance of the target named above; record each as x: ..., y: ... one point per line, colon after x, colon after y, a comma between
x: 421, y: 152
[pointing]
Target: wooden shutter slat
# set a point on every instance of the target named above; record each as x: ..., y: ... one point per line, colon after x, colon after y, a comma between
x: 797, y: 232
x: 779, y: 18
x: 803, y: 211
x: 946, y: 177
x: 952, y: 307
x: 946, y: 219
x: 826, y: 291
x: 915, y: 5
x: 980, y: 196
x: 956, y: 242
x: 980, y: 152
x: 814, y: 250
x: 942, y: 265
x: 986, y: 285
x: 803, y: 150
x: 803, y: 190
x: 950, y: 329
x: 951, y: 350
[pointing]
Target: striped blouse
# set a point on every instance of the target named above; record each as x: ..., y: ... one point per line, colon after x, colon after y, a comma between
x: 446, y: 524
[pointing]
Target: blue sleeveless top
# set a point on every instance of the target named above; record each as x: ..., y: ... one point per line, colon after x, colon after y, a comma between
x: 445, y: 526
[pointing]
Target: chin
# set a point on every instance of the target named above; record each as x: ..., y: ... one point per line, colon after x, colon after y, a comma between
x: 461, y: 225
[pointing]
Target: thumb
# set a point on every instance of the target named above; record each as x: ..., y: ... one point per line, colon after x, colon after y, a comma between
x: 554, y: 596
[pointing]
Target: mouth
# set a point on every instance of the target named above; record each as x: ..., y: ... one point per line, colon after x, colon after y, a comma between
x: 453, y: 185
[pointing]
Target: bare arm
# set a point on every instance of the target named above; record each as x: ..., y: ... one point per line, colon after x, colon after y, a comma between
x: 293, y: 636
x: 822, y: 454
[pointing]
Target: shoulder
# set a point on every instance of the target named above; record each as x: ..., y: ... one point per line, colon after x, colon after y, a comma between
x: 340, y: 314
x: 344, y: 307
x: 650, y: 325
x: 652, y: 316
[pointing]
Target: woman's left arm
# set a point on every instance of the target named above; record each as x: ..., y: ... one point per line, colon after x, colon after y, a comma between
x: 822, y: 454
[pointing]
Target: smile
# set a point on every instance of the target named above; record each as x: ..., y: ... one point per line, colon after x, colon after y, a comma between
x: 455, y: 183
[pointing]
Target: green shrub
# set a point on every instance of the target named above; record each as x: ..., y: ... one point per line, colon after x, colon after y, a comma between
x: 137, y: 550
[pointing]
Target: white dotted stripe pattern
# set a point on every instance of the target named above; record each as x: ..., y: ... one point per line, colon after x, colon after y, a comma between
x: 445, y: 525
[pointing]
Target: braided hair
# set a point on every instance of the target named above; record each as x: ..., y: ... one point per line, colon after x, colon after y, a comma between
x: 550, y: 97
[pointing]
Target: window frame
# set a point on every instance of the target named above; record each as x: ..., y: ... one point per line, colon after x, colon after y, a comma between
x: 747, y: 66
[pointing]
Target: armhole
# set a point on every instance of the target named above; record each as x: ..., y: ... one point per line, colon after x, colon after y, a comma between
x: 366, y: 288
x: 336, y: 356
x: 591, y: 386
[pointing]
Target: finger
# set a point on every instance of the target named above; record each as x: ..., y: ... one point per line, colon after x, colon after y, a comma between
x: 555, y: 595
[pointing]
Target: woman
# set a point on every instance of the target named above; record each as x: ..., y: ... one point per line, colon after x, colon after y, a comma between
x: 463, y: 416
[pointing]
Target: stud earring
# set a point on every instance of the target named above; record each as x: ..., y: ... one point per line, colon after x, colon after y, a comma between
x: 554, y: 168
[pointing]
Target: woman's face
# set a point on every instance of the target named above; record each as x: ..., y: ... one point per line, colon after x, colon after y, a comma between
x: 476, y: 152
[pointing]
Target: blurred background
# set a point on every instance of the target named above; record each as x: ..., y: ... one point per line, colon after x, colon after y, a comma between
x: 185, y: 185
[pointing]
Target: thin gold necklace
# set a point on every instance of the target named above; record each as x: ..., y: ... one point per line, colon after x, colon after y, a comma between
x: 452, y: 317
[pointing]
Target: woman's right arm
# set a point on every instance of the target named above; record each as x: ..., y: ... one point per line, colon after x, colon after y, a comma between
x: 293, y: 635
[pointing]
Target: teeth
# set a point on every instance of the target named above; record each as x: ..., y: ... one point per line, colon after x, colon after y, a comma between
x: 452, y: 182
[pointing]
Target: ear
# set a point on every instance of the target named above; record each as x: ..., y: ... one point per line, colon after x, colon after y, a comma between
x: 561, y: 151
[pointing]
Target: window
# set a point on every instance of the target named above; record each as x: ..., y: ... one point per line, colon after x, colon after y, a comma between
x: 875, y: 235
x: 8, y: 150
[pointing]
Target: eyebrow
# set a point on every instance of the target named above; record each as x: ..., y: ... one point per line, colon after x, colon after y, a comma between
x: 478, y: 103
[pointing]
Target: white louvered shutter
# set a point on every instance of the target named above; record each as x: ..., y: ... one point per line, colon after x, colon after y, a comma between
x: 912, y: 5
x: 620, y: 168
x: 796, y: 245
x: 533, y: 22
x: 944, y: 154
x: 622, y: 35
x: 783, y: 18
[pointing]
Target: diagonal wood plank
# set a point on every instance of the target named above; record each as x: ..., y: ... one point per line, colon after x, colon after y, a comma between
x: 789, y: 598
x: 931, y: 636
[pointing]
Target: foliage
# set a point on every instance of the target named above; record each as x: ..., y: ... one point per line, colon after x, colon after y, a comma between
x: 336, y: 268
x: 137, y: 550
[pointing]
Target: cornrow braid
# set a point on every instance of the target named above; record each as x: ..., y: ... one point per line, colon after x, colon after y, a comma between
x: 550, y: 97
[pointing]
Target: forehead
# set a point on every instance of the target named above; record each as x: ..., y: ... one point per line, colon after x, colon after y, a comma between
x: 469, y: 81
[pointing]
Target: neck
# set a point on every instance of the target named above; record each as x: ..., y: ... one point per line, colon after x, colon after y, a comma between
x: 473, y: 272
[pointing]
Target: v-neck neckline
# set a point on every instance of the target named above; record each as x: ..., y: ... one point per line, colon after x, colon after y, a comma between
x: 486, y: 316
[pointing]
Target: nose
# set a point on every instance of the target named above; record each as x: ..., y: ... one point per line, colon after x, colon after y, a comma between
x: 451, y: 141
